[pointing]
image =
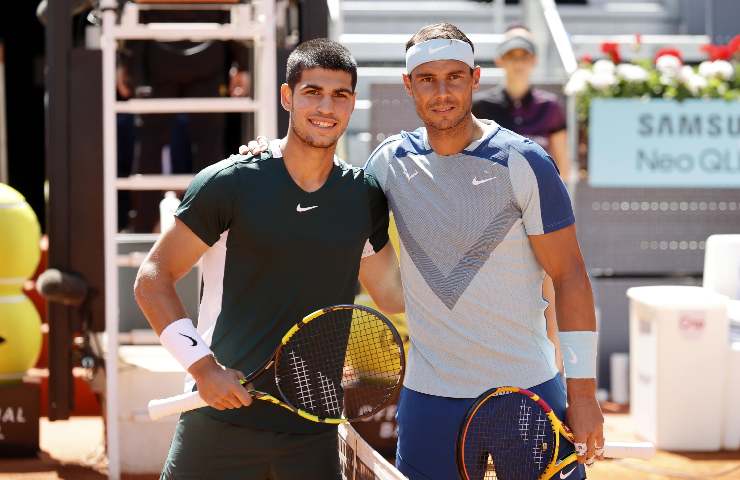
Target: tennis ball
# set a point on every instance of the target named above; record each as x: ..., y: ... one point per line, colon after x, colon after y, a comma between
x: 19, y: 241
x: 20, y: 336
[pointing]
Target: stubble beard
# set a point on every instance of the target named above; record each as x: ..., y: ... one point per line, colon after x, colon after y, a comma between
x: 309, y: 140
x: 445, y: 127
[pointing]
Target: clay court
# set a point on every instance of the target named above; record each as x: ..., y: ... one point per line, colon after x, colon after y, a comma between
x: 524, y: 119
x: 72, y: 450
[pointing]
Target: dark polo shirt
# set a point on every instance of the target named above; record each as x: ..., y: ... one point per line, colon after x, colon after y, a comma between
x: 536, y: 116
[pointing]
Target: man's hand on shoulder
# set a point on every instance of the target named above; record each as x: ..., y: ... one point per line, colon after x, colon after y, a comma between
x: 254, y: 147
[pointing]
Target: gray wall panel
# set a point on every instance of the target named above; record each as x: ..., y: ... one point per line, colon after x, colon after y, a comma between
x: 651, y: 231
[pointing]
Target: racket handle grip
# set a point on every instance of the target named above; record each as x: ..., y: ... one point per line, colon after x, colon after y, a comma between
x: 643, y: 450
x: 179, y: 403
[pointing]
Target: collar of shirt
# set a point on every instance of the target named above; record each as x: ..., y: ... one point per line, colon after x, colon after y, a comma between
x: 525, y: 101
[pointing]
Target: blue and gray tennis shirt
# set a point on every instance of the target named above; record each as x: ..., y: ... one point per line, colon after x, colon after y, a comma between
x: 472, y: 284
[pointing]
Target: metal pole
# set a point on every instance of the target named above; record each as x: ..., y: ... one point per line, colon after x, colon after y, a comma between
x: 3, y: 139
x: 110, y: 222
x: 336, y: 25
x: 266, y: 64
x: 499, y: 23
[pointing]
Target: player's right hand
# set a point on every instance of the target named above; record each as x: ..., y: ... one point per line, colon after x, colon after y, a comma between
x: 254, y: 147
x: 219, y: 386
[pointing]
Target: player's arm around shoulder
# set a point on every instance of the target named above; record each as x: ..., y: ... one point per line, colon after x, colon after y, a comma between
x: 381, y: 276
x: 171, y: 257
x: 379, y: 269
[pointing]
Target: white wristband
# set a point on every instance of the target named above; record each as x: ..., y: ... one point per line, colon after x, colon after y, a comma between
x: 181, y: 339
x: 579, y: 353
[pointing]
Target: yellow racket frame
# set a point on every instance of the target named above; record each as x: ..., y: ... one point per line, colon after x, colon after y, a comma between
x: 298, y: 326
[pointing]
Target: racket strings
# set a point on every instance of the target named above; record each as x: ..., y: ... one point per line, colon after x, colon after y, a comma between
x: 508, y: 438
x: 345, y: 363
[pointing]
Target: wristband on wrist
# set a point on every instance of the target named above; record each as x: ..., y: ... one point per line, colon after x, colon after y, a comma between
x: 579, y: 353
x: 182, y: 340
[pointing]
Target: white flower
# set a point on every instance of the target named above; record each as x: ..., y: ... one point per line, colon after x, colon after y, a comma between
x: 706, y: 69
x: 668, y: 65
x: 602, y: 80
x: 603, y: 66
x: 667, y: 79
x: 578, y: 82
x: 723, y: 69
x: 632, y: 73
x: 685, y: 73
x: 695, y: 84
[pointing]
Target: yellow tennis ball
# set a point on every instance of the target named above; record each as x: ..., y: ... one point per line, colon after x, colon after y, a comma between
x: 19, y: 241
x: 20, y: 336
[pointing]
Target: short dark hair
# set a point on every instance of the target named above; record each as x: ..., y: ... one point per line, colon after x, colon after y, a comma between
x: 438, y: 30
x: 319, y: 53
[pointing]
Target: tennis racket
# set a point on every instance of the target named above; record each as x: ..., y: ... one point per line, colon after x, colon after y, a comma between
x: 512, y: 434
x: 338, y: 364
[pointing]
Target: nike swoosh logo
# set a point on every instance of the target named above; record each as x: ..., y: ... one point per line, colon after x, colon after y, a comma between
x: 478, y: 182
x: 435, y: 50
x: 304, y: 209
x: 573, y: 356
x: 409, y: 177
x: 191, y: 339
x: 566, y: 475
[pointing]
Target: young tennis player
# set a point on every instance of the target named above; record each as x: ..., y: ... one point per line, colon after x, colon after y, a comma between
x: 280, y: 235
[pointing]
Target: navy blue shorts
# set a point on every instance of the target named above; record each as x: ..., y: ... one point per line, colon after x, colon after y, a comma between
x: 428, y: 427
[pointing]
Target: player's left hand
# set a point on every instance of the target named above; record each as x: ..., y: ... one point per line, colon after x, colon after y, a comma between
x: 586, y: 421
x: 254, y: 147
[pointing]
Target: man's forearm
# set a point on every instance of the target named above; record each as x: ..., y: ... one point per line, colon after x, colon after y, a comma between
x: 380, y: 275
x: 575, y: 312
x: 157, y: 298
x: 574, y: 302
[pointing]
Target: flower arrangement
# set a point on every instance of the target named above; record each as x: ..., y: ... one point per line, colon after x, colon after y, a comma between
x: 664, y: 76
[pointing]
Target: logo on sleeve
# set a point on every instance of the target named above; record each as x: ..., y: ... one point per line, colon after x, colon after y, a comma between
x: 300, y: 209
x: 191, y: 339
x: 477, y: 182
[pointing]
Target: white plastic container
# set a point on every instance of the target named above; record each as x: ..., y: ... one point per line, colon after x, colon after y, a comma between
x: 722, y: 265
x: 167, y: 208
x: 731, y: 433
x: 678, y: 366
x: 620, y: 378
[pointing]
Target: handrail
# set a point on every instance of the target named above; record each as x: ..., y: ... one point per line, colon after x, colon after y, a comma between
x: 559, y: 36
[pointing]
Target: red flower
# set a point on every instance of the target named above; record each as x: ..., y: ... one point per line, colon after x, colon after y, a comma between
x: 668, y: 51
x: 718, y: 52
x: 586, y: 58
x: 734, y: 45
x: 612, y: 49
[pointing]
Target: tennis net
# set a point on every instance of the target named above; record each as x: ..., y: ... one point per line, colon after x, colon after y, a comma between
x: 359, y: 461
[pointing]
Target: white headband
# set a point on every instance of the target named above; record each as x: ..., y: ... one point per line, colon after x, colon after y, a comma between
x: 439, y: 49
